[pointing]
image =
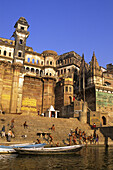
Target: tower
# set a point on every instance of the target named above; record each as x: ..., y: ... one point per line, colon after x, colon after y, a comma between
x: 20, y: 35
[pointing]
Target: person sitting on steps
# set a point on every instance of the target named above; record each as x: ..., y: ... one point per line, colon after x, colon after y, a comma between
x: 53, y: 127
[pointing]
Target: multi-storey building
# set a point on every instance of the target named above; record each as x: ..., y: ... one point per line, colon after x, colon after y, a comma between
x: 31, y: 82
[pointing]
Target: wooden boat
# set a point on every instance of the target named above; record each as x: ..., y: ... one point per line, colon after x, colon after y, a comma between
x: 9, y: 149
x: 52, y: 150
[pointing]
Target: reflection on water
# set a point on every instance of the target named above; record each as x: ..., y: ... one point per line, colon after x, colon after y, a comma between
x: 91, y: 158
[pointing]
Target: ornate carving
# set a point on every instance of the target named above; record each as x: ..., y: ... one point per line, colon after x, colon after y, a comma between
x: 5, y: 63
x: 17, y: 66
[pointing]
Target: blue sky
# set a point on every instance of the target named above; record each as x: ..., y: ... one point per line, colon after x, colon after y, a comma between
x: 82, y: 26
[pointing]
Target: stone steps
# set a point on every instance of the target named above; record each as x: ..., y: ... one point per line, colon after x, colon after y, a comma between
x: 41, y: 124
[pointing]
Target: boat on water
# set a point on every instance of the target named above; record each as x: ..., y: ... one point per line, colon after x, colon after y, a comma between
x: 10, y: 149
x: 50, y: 150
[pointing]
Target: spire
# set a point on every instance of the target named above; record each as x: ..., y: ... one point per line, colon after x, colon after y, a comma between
x: 93, y: 53
x: 94, y: 61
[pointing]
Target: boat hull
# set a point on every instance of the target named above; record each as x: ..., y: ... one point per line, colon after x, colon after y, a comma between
x: 9, y: 149
x: 50, y: 151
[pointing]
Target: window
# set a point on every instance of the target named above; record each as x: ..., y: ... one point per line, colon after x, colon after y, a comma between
x: 64, y: 70
x: 41, y: 62
x: 58, y: 72
x: 46, y: 73
x: 32, y: 70
x: 19, y: 54
x: 33, y: 60
x: 22, y: 28
x: 50, y: 62
x: 37, y: 71
x: 27, y: 68
x: 9, y: 53
x: 69, y: 89
x: 37, y: 61
x: 50, y: 74
x: 61, y: 71
x: 66, y: 89
x: 4, y: 52
x: 0, y: 51
x: 21, y: 41
x: 28, y: 60
x: 68, y: 70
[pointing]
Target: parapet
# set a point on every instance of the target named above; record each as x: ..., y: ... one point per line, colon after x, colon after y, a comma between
x: 49, y: 52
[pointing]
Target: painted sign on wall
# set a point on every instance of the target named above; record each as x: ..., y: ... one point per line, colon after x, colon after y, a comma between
x: 104, y: 99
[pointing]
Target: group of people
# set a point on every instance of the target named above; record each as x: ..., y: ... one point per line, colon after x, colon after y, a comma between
x: 81, y: 137
x: 10, y: 132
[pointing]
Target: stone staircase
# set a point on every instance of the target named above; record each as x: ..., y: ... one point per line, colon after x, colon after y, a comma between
x: 37, y: 124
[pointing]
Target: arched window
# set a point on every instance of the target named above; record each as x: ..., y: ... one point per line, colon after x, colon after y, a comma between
x: 104, y: 120
x: 37, y: 61
x: 9, y: 53
x: 50, y: 74
x: 21, y: 41
x: 70, y: 98
x: 19, y: 54
x: 69, y: 89
x: 5, y: 52
x: 27, y: 68
x: 32, y: 70
x: 33, y: 60
x: 47, y: 74
x: 50, y: 62
x: 66, y: 89
x: 28, y: 60
x: 37, y: 71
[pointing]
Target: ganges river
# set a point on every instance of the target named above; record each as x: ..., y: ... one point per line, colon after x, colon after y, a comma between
x: 90, y: 158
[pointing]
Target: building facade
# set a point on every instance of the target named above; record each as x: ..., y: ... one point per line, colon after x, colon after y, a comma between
x: 31, y: 82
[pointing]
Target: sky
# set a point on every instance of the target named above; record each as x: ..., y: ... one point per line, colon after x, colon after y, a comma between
x: 82, y: 26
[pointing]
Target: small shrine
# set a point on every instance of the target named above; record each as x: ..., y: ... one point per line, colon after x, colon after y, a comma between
x: 52, y: 112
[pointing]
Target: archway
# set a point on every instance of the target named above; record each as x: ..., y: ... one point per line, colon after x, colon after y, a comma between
x: 70, y: 98
x: 103, y: 120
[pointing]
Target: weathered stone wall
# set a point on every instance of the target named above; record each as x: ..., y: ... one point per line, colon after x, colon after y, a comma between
x: 6, y: 76
x: 48, y: 93
x: 32, y: 95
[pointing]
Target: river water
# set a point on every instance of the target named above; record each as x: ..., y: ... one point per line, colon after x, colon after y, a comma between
x: 90, y: 158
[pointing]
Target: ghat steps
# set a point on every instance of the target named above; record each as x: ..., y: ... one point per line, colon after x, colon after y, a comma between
x: 37, y: 124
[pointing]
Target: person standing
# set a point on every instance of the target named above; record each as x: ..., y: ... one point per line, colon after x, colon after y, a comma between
x: 3, y: 132
x: 9, y: 135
